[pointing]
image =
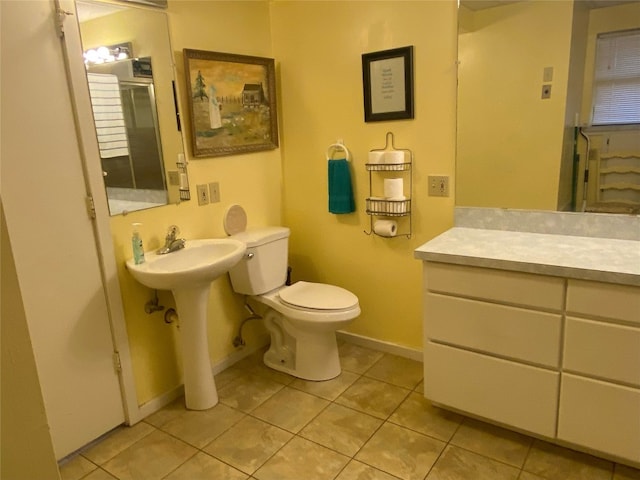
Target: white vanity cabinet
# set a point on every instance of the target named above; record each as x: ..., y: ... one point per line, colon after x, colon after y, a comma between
x: 492, y: 344
x: 553, y: 356
x: 600, y: 386
x: 532, y: 321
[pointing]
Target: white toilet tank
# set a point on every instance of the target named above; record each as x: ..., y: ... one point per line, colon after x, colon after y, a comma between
x: 264, y: 266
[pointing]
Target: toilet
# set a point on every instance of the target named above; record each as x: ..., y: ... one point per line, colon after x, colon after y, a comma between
x: 301, y: 318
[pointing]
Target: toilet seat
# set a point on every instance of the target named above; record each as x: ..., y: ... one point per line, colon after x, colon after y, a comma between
x: 317, y: 296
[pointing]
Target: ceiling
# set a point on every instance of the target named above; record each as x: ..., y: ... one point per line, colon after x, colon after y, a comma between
x: 88, y: 11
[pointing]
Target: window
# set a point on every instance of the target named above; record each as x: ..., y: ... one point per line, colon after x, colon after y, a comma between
x: 616, y: 85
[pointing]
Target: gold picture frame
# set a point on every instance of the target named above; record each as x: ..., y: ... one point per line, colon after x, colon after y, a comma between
x: 232, y: 103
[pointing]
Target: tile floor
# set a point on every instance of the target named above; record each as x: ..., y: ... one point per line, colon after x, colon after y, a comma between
x: 371, y: 422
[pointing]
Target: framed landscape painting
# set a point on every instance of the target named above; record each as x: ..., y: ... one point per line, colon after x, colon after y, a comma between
x: 232, y: 102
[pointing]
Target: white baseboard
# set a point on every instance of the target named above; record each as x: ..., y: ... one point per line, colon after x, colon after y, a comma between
x: 158, y: 403
x: 381, y: 345
x: 241, y: 353
x: 166, y: 398
x: 161, y: 401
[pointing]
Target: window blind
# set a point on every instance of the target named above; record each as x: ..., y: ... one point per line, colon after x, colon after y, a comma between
x: 108, y: 115
x: 616, y: 86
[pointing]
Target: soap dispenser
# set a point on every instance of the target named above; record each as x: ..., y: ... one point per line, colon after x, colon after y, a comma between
x: 136, y: 243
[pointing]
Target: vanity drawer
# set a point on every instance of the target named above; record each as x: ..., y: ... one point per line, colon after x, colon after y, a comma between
x: 603, y: 350
x: 496, y: 285
x: 507, y: 392
x: 528, y: 335
x: 601, y: 416
x: 617, y: 302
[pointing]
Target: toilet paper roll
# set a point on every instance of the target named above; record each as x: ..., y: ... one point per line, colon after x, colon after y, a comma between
x: 394, y: 188
x: 376, y: 157
x: 385, y: 228
x: 394, y: 157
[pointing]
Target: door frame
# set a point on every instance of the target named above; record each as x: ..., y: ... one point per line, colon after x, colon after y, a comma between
x: 89, y: 152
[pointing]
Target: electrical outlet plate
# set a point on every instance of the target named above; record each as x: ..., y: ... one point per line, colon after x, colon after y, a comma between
x: 214, y: 192
x: 546, y: 92
x: 174, y: 177
x: 203, y: 194
x: 438, y: 185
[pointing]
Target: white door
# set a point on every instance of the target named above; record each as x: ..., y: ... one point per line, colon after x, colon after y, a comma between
x: 55, y: 246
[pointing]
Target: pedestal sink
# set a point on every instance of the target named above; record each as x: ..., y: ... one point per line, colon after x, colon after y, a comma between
x: 188, y: 273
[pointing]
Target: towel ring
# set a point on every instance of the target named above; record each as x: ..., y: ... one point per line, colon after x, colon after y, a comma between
x: 339, y: 146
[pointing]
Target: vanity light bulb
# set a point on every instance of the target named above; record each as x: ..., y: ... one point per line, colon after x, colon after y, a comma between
x: 103, y: 53
x: 122, y: 56
x: 91, y: 56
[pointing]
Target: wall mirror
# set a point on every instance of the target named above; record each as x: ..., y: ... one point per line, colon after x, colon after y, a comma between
x: 130, y: 74
x: 524, y: 82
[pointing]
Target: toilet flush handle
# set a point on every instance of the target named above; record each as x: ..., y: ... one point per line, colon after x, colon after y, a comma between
x: 250, y: 255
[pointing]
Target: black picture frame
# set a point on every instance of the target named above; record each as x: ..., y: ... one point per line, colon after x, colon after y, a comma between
x: 387, y: 78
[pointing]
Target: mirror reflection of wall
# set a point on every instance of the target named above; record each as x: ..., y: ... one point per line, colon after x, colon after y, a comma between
x: 514, y: 148
x: 135, y: 117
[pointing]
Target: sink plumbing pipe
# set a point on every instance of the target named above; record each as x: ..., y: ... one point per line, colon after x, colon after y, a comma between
x: 171, y: 316
x: 153, y: 305
x: 239, y: 341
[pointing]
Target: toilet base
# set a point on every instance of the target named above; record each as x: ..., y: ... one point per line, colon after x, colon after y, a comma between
x: 309, y: 356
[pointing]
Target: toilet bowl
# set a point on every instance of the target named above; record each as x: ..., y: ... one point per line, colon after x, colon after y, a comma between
x: 302, y: 318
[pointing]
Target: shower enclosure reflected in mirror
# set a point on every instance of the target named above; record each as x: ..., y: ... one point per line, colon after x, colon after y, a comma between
x: 132, y: 100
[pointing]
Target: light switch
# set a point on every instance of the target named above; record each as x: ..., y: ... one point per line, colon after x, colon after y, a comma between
x: 438, y: 185
x: 547, y: 74
x: 546, y: 91
x: 203, y: 194
x: 214, y: 192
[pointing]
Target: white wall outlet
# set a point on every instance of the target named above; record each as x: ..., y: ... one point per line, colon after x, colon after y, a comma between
x: 438, y: 185
x: 214, y: 192
x: 203, y: 194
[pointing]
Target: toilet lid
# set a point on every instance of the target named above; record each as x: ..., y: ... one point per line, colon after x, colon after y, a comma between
x: 318, y: 296
x: 235, y: 220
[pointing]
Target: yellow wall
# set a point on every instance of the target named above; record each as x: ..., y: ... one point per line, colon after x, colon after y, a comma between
x: 27, y: 451
x: 509, y: 140
x: 317, y: 47
x: 252, y: 180
x: 566, y: 199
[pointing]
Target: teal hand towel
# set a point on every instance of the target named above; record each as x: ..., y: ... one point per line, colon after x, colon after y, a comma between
x: 340, y: 190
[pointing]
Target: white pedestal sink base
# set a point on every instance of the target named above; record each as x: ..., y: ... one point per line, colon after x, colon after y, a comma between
x: 188, y: 273
x: 199, y: 386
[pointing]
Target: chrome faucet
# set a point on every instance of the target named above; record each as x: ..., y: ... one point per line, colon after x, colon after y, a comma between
x: 171, y: 243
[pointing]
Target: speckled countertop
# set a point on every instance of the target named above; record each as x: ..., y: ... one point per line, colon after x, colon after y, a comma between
x: 588, y: 258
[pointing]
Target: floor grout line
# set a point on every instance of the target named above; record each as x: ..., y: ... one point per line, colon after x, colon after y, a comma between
x: 249, y: 369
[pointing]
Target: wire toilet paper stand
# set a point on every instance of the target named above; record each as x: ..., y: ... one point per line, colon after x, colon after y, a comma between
x: 381, y: 162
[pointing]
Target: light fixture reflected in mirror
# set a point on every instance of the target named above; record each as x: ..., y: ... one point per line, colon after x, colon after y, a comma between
x: 110, y: 53
x: 135, y: 180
